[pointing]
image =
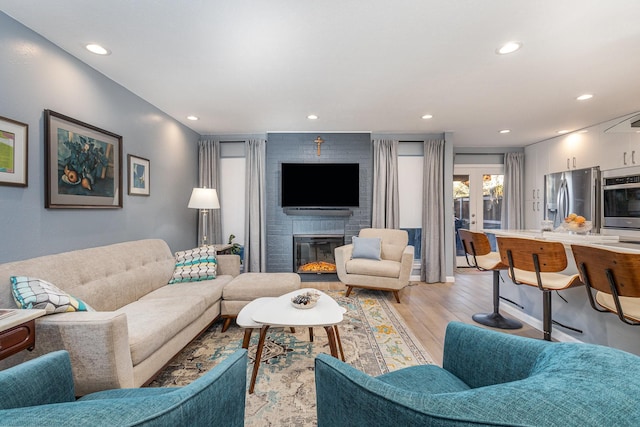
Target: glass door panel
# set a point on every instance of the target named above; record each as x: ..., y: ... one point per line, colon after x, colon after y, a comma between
x: 477, y: 198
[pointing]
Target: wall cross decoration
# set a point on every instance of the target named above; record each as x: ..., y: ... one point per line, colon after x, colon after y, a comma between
x: 318, y: 141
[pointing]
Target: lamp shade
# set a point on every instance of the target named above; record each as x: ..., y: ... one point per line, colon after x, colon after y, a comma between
x: 204, y: 198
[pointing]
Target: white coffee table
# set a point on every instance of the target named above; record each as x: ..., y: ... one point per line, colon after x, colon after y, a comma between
x: 268, y: 312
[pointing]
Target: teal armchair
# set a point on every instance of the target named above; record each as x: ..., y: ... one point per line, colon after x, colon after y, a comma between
x: 40, y: 392
x: 488, y: 378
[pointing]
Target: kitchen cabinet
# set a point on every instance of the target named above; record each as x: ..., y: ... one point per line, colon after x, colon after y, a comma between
x: 577, y: 150
x: 536, y: 166
x: 620, y: 143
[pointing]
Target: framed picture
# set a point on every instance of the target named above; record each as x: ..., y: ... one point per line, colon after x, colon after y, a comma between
x: 13, y: 152
x: 83, y: 166
x: 138, y: 176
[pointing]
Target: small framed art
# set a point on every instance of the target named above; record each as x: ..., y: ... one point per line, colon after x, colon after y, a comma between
x: 14, y: 138
x: 83, y: 164
x: 139, y: 174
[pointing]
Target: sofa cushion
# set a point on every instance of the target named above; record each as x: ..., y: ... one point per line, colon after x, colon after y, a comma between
x: 368, y: 267
x: 153, y: 322
x: 195, y: 264
x: 366, y: 247
x: 210, y: 290
x: 430, y: 379
x: 31, y: 292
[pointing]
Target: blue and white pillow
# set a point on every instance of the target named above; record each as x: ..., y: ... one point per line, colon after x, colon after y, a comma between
x: 195, y: 265
x: 30, y: 292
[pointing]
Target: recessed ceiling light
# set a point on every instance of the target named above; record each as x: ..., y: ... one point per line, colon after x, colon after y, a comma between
x: 584, y: 97
x: 509, y: 47
x: 562, y: 132
x: 427, y: 116
x: 312, y: 117
x: 97, y: 49
x: 505, y: 131
x: 193, y: 118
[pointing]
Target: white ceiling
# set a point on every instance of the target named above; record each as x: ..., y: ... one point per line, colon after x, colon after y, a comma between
x: 247, y: 66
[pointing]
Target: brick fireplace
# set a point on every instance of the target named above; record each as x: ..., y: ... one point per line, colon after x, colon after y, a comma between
x: 313, y: 254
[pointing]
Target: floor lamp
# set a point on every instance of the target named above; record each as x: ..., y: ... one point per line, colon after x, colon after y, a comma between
x: 204, y: 199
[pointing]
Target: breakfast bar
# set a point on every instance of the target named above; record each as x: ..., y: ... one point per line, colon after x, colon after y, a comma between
x: 571, y: 307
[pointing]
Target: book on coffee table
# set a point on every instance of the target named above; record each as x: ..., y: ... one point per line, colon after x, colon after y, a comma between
x: 4, y: 312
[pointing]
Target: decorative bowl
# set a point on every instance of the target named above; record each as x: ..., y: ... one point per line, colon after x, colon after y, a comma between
x: 574, y: 227
x: 305, y: 300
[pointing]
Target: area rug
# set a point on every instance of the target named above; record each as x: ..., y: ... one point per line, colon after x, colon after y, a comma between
x: 374, y: 338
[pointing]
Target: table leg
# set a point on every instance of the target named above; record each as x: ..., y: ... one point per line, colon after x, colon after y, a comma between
x: 247, y: 337
x: 332, y: 341
x: 311, y: 334
x: 335, y: 328
x: 256, y: 363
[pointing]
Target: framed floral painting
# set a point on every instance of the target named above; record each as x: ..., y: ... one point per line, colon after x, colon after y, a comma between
x: 83, y: 166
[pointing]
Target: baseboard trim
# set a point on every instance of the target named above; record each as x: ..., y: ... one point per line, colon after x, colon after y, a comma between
x: 537, y: 324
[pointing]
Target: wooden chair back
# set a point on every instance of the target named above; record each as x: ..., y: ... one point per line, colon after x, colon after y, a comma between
x: 551, y: 256
x: 597, y: 265
x: 474, y: 243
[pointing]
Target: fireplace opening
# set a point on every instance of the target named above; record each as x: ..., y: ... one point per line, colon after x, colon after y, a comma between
x: 313, y: 254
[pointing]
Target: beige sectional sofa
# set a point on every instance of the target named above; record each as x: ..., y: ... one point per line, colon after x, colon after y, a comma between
x: 140, y: 322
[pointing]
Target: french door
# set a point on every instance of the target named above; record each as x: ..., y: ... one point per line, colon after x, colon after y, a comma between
x: 477, y: 201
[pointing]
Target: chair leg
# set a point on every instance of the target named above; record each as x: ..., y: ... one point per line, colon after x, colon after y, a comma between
x: 397, y: 295
x: 349, y: 289
x: 546, y: 315
x: 226, y: 324
x: 495, y: 319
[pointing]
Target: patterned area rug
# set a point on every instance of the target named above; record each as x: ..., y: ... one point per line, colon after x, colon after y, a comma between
x: 374, y: 338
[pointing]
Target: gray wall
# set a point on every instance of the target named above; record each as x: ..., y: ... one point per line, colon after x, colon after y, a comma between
x: 37, y: 75
x: 299, y: 147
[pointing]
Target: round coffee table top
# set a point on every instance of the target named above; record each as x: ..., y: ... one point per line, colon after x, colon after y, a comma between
x: 280, y: 312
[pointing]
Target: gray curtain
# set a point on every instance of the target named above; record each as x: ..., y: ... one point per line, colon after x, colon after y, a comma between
x: 513, y: 192
x: 386, y: 211
x: 209, y: 176
x: 254, y: 224
x: 433, y: 267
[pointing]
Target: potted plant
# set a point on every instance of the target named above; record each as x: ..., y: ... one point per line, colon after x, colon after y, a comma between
x: 236, y: 248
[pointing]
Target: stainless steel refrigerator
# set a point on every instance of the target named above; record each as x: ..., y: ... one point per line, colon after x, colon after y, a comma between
x: 576, y: 191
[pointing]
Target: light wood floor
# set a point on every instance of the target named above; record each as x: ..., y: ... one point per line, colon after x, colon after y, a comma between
x: 428, y: 307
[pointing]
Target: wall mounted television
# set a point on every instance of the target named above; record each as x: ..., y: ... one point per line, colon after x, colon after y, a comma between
x: 320, y: 185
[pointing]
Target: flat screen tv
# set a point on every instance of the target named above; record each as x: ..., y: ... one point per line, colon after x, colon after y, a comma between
x: 320, y: 185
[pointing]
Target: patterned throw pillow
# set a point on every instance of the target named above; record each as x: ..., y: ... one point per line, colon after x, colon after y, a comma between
x: 195, y: 265
x: 29, y: 292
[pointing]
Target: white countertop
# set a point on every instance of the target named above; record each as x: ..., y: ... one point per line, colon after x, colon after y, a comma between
x: 563, y: 237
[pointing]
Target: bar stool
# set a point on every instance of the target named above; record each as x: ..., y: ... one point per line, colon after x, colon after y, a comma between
x: 477, y: 245
x: 538, y: 263
x: 615, y: 276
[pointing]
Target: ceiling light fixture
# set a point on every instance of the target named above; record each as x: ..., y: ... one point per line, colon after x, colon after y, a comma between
x: 505, y: 131
x: 312, y: 117
x: 584, y: 97
x: 427, y: 116
x: 193, y: 118
x: 97, y: 49
x: 509, y: 47
x: 562, y: 132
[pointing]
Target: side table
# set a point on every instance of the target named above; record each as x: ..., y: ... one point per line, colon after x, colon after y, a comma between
x: 18, y: 331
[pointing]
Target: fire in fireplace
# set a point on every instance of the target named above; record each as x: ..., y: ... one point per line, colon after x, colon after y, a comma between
x: 313, y: 254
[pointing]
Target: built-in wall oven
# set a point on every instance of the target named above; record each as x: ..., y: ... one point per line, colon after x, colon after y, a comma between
x: 621, y: 198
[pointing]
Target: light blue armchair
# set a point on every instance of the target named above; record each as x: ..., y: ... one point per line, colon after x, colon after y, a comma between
x: 40, y: 392
x: 488, y: 378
